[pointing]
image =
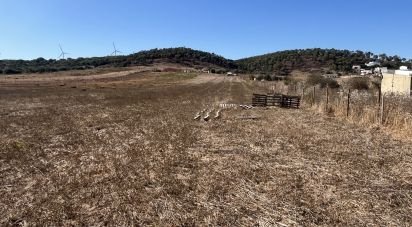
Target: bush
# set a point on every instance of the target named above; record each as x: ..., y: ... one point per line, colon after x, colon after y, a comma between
x: 259, y: 77
x: 322, y: 82
x: 220, y: 71
x: 332, y: 83
x: 11, y: 71
x: 358, y: 83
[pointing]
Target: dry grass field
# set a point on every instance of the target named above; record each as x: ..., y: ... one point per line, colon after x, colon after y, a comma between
x: 125, y: 150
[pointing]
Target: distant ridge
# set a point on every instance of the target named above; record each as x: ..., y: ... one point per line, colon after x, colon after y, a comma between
x: 306, y: 59
x: 282, y: 62
x: 180, y: 55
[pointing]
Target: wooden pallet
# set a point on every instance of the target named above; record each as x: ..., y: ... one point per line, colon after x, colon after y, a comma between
x: 291, y: 102
x: 274, y: 100
x: 279, y: 100
x: 259, y: 100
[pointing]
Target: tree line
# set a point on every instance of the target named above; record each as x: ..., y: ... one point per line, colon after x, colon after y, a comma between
x: 184, y: 56
x: 282, y: 62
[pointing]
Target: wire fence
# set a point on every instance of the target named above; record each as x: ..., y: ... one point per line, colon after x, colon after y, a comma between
x: 364, y: 107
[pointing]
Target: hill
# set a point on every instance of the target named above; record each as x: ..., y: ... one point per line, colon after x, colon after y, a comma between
x: 330, y: 59
x: 282, y: 62
x: 184, y: 56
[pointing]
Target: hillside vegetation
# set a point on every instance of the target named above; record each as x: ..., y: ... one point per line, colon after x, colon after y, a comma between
x: 184, y: 56
x: 339, y: 60
x: 282, y: 62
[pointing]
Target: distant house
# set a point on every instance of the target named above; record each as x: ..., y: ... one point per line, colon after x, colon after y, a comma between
x: 397, y: 82
x: 380, y: 70
x: 373, y: 64
x: 365, y: 72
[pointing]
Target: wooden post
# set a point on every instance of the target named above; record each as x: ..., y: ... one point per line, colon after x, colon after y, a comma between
x: 382, y: 109
x: 348, y: 105
x: 379, y: 95
x: 314, y: 96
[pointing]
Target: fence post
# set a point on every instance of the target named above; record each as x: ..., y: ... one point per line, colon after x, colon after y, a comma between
x: 314, y: 95
x: 382, y: 109
x: 348, y: 104
x: 379, y: 95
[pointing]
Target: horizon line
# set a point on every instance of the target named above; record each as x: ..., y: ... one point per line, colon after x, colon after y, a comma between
x: 210, y: 52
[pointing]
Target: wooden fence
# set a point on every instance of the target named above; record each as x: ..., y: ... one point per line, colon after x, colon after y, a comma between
x: 279, y: 100
x: 259, y: 100
x: 364, y: 107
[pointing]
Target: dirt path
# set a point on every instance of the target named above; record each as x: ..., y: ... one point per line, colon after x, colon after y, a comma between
x: 214, y: 78
x: 66, y: 77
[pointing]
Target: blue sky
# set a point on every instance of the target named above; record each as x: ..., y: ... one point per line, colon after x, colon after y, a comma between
x: 232, y: 28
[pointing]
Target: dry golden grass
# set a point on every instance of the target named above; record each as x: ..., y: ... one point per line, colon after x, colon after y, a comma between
x: 365, y: 109
x: 128, y: 152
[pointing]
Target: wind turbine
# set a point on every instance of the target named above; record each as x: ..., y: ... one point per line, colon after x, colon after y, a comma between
x: 116, y: 51
x: 62, y: 52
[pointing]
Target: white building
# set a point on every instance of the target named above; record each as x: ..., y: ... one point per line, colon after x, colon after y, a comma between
x: 372, y: 64
x: 381, y: 70
x: 378, y: 71
x: 365, y: 72
x: 397, y: 82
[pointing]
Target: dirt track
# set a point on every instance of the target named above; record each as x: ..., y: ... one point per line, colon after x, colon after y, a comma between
x: 128, y: 152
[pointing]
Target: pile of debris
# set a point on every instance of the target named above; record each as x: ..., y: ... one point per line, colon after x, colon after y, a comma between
x: 206, y: 114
